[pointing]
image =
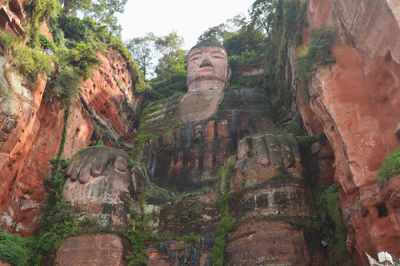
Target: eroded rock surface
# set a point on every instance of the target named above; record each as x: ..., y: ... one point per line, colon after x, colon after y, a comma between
x: 93, y: 249
x: 358, y: 104
x: 11, y: 17
x: 111, y: 98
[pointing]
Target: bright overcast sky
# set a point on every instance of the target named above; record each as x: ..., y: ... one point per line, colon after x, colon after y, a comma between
x: 189, y: 18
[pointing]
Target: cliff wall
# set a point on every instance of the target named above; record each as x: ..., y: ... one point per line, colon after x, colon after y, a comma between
x: 357, y: 101
x: 31, y: 128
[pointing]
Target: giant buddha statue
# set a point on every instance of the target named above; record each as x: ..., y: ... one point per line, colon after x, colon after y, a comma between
x: 208, y: 72
x: 207, y: 67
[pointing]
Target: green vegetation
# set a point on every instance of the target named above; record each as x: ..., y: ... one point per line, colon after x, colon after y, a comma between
x: 74, y: 49
x: 319, y: 54
x: 257, y: 82
x: 165, y: 88
x: 173, y: 57
x: 249, y: 140
x: 6, y: 40
x: 101, y: 11
x: 144, y: 232
x: 226, y: 222
x: 171, y: 68
x: 16, y: 250
x: 305, y: 141
x: 39, y: 10
x: 390, y: 167
x: 157, y: 118
x: 136, y: 239
x: 247, y: 58
x: 142, y: 51
x: 64, y: 86
x: 140, y: 138
x: 30, y: 63
x: 240, y: 39
x: 262, y: 14
x: 330, y: 224
x: 284, y: 24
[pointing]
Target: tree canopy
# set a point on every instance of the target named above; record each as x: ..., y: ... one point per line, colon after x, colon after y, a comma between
x: 262, y: 14
x: 172, y: 55
x: 143, y: 51
x: 100, y: 10
x: 237, y: 35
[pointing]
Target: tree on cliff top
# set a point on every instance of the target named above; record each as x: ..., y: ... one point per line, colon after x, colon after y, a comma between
x: 224, y: 31
x: 262, y: 14
x: 172, y: 55
x: 100, y: 10
x: 216, y: 34
x: 143, y: 51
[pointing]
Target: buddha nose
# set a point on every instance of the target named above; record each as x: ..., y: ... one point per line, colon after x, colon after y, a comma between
x: 206, y: 62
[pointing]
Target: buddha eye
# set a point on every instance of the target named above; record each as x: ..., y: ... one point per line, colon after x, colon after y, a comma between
x: 195, y: 58
x: 214, y: 56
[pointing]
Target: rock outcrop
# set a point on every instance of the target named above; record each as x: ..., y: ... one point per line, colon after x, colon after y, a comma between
x: 358, y: 104
x: 11, y: 17
x: 112, y: 101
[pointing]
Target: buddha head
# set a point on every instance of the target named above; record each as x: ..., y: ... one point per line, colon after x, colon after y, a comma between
x: 207, y: 67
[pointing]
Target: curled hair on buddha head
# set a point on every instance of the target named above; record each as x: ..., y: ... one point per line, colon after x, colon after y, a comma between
x: 207, y: 44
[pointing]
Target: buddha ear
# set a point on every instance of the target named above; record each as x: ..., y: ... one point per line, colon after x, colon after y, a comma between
x: 229, y: 73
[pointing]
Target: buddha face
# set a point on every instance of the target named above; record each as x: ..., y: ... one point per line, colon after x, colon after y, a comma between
x: 207, y: 68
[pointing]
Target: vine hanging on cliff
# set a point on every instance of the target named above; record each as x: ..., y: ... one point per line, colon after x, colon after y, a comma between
x: 226, y: 222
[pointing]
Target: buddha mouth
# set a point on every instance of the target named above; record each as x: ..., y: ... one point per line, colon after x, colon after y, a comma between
x: 206, y: 69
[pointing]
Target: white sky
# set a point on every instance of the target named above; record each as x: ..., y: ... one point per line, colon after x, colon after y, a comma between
x: 189, y: 18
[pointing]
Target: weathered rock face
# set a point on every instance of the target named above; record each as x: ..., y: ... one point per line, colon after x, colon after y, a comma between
x: 357, y: 101
x: 31, y: 131
x: 30, y: 136
x: 111, y: 99
x: 10, y: 18
x: 273, y: 205
x: 320, y: 159
x: 93, y: 249
x: 185, y: 157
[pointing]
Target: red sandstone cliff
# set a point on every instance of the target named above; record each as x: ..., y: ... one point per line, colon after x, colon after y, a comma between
x: 31, y: 127
x: 357, y: 101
